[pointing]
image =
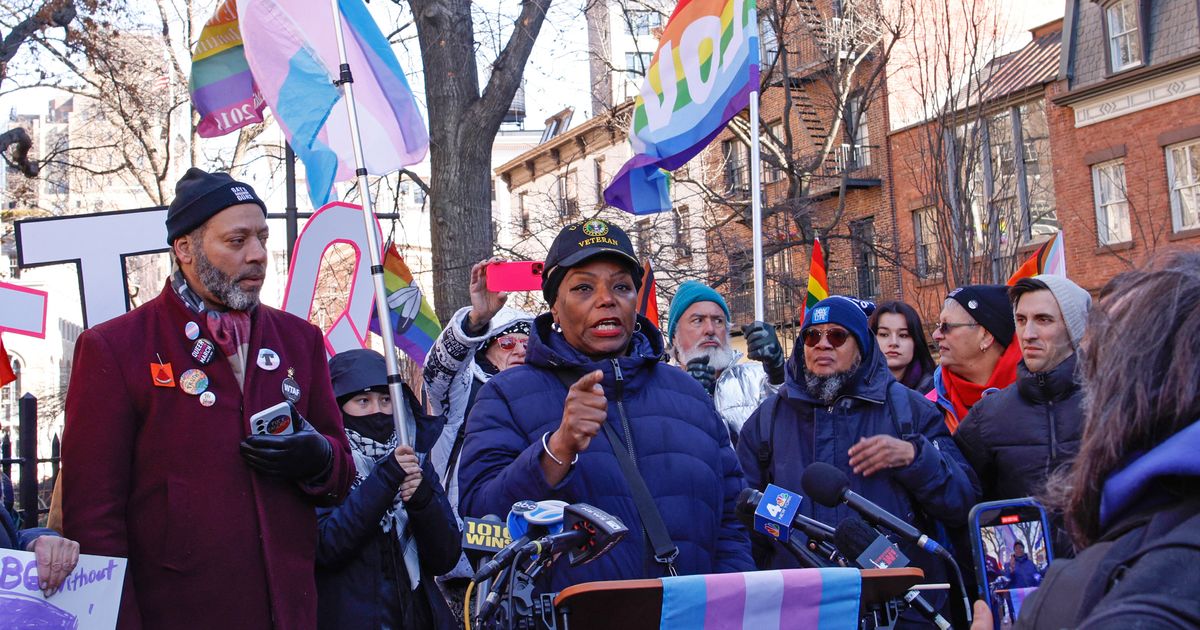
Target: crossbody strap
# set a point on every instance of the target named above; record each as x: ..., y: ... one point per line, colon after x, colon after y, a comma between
x: 665, y: 550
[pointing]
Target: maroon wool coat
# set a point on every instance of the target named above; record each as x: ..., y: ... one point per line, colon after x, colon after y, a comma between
x: 154, y: 476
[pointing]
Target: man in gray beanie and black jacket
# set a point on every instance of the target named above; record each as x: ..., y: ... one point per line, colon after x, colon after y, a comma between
x: 1016, y: 437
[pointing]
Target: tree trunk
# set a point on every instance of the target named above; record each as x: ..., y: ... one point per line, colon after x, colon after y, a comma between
x: 462, y: 126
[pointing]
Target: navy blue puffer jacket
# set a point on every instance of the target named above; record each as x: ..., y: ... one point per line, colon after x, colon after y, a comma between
x: 682, y: 450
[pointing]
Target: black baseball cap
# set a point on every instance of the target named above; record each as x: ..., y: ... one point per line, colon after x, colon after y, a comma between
x: 582, y: 241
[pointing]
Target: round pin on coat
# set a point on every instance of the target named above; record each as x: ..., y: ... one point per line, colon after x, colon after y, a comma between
x: 194, y: 382
x: 192, y: 330
x: 291, y: 389
x: 268, y: 359
x: 203, y: 351
x: 208, y: 399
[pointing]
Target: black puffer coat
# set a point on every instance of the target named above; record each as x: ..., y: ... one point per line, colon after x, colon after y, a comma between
x: 1016, y: 437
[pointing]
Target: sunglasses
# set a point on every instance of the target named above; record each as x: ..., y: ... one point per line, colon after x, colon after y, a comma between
x: 837, y: 337
x: 946, y: 327
x: 508, y: 342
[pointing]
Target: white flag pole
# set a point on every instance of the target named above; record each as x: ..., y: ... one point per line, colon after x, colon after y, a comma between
x: 756, y: 209
x: 346, y: 83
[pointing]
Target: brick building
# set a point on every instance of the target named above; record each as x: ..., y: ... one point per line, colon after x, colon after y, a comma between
x: 1126, y: 133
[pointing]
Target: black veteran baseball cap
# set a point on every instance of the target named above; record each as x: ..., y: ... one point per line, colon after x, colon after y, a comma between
x: 583, y: 241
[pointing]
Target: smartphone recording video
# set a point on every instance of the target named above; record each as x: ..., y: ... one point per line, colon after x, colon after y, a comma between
x: 1012, y: 553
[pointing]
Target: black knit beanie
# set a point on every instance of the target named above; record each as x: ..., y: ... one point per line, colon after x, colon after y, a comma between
x: 199, y: 195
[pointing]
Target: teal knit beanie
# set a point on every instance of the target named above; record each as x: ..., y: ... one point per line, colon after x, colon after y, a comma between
x: 688, y: 294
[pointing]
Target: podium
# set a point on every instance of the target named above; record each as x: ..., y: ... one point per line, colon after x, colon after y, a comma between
x: 637, y: 604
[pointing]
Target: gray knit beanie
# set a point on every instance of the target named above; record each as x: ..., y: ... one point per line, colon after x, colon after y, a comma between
x: 1073, y: 301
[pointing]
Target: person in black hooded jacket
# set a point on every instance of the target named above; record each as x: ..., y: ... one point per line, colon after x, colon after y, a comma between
x: 378, y: 552
x: 1016, y: 437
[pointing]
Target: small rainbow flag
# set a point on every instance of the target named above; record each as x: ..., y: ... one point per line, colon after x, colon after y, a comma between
x: 702, y: 75
x: 414, y: 324
x: 648, y: 295
x: 820, y: 599
x: 1048, y: 259
x: 818, y: 284
x: 222, y: 88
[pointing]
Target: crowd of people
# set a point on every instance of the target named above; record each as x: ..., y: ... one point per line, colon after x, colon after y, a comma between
x: 336, y: 524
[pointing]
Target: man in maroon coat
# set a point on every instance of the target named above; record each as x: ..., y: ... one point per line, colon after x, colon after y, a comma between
x: 161, y: 463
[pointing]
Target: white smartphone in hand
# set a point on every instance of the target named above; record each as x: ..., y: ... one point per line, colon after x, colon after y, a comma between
x: 275, y: 420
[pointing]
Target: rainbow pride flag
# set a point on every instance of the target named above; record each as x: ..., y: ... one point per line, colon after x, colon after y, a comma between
x: 292, y: 51
x: 221, y: 85
x: 414, y: 324
x: 1048, y: 259
x: 818, y: 284
x: 815, y: 599
x: 702, y: 75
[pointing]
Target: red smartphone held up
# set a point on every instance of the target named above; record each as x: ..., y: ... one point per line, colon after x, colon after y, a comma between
x: 519, y: 275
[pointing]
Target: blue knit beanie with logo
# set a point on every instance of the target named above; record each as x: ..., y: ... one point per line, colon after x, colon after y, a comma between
x: 845, y: 313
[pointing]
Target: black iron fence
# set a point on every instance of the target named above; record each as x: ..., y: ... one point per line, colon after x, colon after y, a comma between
x: 32, y: 497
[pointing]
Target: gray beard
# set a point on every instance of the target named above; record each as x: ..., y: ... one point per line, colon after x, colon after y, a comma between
x: 827, y: 388
x: 222, y: 286
x: 718, y: 358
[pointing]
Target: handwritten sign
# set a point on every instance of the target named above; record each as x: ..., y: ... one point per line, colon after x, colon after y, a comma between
x: 89, y: 598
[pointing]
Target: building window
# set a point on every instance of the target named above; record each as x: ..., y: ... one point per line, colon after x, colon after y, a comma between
x: 643, y: 21
x: 643, y: 239
x: 862, y: 243
x: 857, y: 154
x: 768, y: 41
x: 925, y: 237
x: 1183, y: 177
x: 1124, y: 39
x: 681, y: 223
x: 1112, y: 207
x: 636, y: 65
x: 568, y: 194
x: 1039, y: 172
x: 737, y: 167
x: 523, y: 213
x: 770, y: 172
x: 598, y: 173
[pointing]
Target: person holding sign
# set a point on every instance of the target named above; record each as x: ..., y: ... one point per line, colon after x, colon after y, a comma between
x: 56, y: 556
x: 593, y: 398
x: 170, y: 457
x: 378, y: 551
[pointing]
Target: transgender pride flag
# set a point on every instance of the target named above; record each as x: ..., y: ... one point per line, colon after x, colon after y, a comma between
x: 702, y: 75
x: 292, y: 51
x: 814, y: 599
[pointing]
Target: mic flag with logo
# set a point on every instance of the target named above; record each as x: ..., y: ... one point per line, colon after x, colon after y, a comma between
x: 702, y: 75
x: 291, y: 48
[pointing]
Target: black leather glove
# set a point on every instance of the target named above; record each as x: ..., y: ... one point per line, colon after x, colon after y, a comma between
x: 303, y: 455
x: 763, y: 346
x: 700, y: 370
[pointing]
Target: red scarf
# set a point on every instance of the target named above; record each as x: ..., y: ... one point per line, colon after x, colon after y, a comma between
x: 963, y: 394
x: 229, y: 329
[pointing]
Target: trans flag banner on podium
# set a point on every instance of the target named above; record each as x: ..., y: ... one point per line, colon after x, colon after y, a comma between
x: 816, y: 599
x: 702, y: 75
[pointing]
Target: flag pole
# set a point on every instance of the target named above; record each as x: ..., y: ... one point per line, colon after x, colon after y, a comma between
x: 756, y: 209
x: 346, y: 82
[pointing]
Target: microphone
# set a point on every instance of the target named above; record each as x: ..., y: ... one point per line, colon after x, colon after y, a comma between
x: 871, y: 550
x: 588, y: 533
x: 526, y: 520
x: 829, y: 487
x: 762, y: 514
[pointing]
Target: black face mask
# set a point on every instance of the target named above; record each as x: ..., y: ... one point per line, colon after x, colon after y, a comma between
x: 376, y: 426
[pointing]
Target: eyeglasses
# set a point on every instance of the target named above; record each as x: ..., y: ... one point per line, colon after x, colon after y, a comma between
x: 508, y: 342
x: 946, y: 327
x: 837, y: 337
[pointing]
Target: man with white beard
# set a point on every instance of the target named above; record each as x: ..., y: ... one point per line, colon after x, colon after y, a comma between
x: 698, y: 332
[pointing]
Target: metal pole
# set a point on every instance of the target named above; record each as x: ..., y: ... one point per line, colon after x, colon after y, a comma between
x: 756, y: 209
x: 29, y: 464
x: 289, y: 180
x: 346, y: 82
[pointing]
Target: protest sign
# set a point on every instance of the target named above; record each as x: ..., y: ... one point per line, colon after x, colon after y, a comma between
x: 89, y: 598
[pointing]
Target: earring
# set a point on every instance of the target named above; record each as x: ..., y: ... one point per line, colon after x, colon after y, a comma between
x: 637, y: 327
x: 555, y: 327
